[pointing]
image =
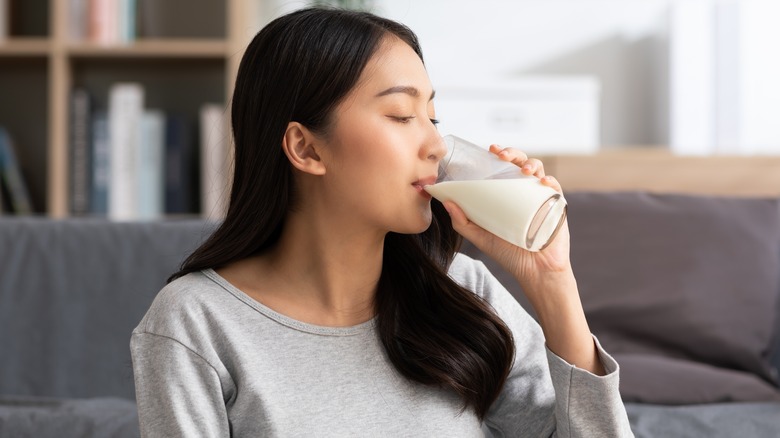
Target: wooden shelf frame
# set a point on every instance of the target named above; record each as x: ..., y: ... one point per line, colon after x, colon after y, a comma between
x: 657, y: 170
x: 31, y: 46
x: 168, y: 48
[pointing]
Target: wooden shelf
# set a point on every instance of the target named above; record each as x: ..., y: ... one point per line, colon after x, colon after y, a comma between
x: 21, y: 47
x: 189, y: 48
x: 657, y: 170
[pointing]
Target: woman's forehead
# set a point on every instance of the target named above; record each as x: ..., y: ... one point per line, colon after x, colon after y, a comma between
x: 395, y: 64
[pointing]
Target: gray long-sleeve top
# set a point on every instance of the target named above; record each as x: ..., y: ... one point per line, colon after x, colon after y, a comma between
x: 211, y: 361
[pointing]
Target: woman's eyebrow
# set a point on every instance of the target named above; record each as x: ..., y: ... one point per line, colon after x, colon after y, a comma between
x: 406, y: 89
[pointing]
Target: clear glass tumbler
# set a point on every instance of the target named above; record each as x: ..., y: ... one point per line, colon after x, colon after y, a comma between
x: 495, y: 195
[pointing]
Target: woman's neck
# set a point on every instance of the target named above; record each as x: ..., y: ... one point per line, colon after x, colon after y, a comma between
x: 318, y: 272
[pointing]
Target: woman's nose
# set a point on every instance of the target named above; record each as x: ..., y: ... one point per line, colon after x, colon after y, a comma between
x: 436, y: 147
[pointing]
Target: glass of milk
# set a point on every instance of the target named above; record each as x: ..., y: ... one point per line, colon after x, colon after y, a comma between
x: 495, y: 195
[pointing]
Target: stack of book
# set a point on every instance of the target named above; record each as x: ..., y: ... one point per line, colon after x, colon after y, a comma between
x: 5, y: 20
x: 102, y: 21
x: 14, y: 195
x: 136, y: 163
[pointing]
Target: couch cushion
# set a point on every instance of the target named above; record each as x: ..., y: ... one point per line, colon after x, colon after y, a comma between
x: 689, y: 277
x: 695, y: 278
x: 71, y: 291
x: 664, y: 380
x: 22, y: 417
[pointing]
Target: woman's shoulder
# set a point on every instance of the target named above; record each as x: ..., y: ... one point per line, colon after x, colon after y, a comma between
x: 475, y: 276
x: 468, y: 272
x: 181, y: 302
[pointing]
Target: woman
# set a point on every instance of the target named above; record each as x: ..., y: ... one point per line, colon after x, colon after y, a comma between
x: 331, y: 302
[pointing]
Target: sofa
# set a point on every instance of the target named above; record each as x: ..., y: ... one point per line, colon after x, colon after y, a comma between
x: 684, y: 291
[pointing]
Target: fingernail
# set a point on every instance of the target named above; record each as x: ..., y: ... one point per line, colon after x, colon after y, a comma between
x: 446, y: 207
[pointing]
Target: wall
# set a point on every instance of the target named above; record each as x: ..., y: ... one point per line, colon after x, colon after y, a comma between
x: 622, y: 43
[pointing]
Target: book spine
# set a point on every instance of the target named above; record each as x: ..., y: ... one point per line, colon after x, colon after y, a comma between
x: 151, y: 190
x: 80, y: 152
x: 101, y: 165
x: 214, y: 168
x: 12, y: 177
x: 126, y: 102
x: 103, y: 21
x: 131, y: 11
x: 179, y: 166
x: 126, y: 21
x: 78, y: 20
x: 5, y: 20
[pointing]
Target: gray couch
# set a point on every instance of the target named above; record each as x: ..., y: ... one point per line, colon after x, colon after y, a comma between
x: 682, y: 290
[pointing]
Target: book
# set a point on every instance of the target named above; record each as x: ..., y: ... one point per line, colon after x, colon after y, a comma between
x: 180, y: 166
x: 151, y: 190
x: 5, y: 19
x: 12, y: 178
x: 169, y: 18
x: 126, y: 104
x: 126, y: 19
x: 80, y: 157
x: 78, y: 20
x: 101, y: 165
x: 103, y: 21
x: 214, y: 161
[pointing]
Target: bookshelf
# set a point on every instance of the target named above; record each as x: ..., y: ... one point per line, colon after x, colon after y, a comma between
x: 186, y: 53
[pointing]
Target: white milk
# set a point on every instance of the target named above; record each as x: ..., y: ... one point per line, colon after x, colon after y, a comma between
x: 506, y: 207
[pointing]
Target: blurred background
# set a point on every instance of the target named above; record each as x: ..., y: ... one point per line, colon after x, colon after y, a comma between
x: 554, y: 77
x: 694, y: 75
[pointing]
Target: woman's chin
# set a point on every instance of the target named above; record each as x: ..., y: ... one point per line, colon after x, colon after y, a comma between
x: 419, y: 227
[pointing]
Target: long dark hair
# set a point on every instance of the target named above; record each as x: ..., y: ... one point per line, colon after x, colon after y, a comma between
x: 298, y: 68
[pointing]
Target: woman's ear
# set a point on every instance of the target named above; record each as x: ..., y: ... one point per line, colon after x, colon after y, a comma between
x: 299, y: 146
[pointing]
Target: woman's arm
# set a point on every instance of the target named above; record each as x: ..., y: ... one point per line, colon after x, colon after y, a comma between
x: 584, y: 399
x: 556, y: 300
x: 545, y: 395
x: 179, y: 393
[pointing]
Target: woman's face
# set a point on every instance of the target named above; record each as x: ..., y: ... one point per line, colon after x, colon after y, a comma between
x: 383, y: 145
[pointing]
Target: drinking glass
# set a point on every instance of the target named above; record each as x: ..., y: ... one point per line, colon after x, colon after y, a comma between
x: 497, y: 196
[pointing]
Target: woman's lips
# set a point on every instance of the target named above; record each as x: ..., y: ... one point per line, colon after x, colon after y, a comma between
x: 420, y: 184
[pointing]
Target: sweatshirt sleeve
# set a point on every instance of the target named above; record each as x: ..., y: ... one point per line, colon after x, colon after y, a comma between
x: 589, y: 405
x: 544, y: 395
x: 178, y: 392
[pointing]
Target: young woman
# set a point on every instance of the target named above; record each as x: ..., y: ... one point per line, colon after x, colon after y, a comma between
x: 331, y: 300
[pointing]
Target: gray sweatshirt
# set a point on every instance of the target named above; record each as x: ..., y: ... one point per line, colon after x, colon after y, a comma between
x: 211, y: 361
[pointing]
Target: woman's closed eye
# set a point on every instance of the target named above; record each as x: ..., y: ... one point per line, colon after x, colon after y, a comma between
x: 407, y: 119
x: 402, y: 119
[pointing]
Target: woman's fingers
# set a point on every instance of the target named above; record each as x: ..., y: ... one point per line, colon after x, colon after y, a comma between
x: 463, y: 225
x: 509, y: 154
x: 529, y: 166
x: 553, y: 182
x: 459, y: 219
